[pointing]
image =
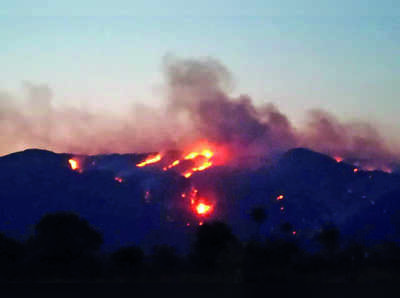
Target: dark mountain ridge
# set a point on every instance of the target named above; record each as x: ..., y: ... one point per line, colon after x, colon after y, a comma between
x: 146, y: 207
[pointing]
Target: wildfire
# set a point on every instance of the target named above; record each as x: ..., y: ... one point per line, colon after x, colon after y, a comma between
x: 74, y: 164
x: 202, y: 156
x: 338, y: 158
x: 199, y: 205
x: 207, y: 153
x: 202, y: 208
x: 191, y: 155
x: 149, y: 160
x: 203, y: 166
x: 174, y: 164
x: 187, y: 174
x: 202, y: 160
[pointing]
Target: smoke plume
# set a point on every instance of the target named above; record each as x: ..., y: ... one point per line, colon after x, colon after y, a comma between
x: 197, y: 105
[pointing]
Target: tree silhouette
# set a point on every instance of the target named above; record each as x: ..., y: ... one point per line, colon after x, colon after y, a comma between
x: 329, y: 238
x: 11, y: 253
x: 259, y: 216
x: 127, y: 261
x: 65, y: 244
x: 165, y: 260
x: 212, y: 241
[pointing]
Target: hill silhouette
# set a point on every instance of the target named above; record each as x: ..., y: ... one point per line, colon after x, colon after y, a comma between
x: 315, y: 188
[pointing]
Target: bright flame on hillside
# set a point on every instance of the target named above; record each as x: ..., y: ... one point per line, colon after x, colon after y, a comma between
x: 198, y: 205
x: 73, y: 164
x: 203, y: 166
x: 187, y: 174
x: 149, y: 160
x: 202, y: 156
x: 203, y: 209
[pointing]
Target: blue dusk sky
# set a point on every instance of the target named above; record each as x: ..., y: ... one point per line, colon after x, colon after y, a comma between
x: 342, y: 56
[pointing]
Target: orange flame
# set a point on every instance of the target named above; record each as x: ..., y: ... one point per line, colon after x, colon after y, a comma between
x: 174, y: 164
x: 203, y: 209
x: 149, y: 160
x: 187, y: 174
x: 203, y: 166
x: 73, y: 164
x: 191, y: 155
x: 355, y: 170
x: 203, y: 156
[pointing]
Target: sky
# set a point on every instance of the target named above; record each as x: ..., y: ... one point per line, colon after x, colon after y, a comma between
x: 341, y: 56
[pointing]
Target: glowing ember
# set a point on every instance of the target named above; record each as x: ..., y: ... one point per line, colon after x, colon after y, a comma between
x: 282, y: 208
x: 73, y: 164
x: 188, y: 224
x: 202, y: 167
x: 207, y: 153
x: 203, y: 155
x: 149, y: 160
x: 187, y: 174
x: 280, y: 197
x: 203, y: 209
x: 201, y: 223
x: 174, y: 164
x: 338, y: 158
x: 294, y: 233
x: 355, y: 170
x: 119, y: 179
x: 191, y: 155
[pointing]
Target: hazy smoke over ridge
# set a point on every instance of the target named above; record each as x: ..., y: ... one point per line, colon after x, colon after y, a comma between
x: 198, y: 105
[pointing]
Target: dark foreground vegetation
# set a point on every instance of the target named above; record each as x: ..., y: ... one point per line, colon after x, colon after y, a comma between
x: 64, y: 254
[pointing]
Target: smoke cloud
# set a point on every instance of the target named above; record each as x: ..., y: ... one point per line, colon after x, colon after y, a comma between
x: 197, y: 105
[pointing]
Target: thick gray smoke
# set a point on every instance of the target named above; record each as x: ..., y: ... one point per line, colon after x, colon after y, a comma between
x: 198, y: 105
x: 200, y: 90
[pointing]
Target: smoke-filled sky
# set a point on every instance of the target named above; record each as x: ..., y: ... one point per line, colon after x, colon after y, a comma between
x: 88, y: 72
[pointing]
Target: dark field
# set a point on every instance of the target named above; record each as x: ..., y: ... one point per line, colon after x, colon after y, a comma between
x: 196, y: 290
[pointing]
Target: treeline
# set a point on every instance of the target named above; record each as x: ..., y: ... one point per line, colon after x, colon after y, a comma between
x: 65, y: 247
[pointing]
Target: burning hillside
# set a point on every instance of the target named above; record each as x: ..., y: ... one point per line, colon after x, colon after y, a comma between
x: 303, y: 188
x: 198, y: 105
x: 199, y: 158
x: 211, y: 156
